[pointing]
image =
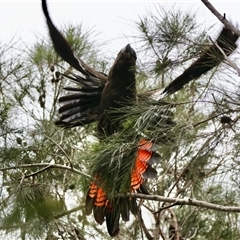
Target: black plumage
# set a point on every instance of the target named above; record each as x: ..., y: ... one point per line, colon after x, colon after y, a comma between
x: 119, y: 91
x: 82, y: 106
x: 97, y: 97
x: 208, y: 60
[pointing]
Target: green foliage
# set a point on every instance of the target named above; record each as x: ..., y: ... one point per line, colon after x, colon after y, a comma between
x: 46, y: 171
x: 35, y: 196
x: 168, y: 38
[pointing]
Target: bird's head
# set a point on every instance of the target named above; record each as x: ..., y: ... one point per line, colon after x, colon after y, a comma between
x: 128, y: 51
x: 125, y: 63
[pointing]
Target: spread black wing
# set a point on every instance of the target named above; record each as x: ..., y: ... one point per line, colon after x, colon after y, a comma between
x: 82, y: 105
x: 209, y: 59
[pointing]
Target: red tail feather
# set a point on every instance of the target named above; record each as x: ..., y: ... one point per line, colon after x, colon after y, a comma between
x: 142, y: 164
x: 136, y: 179
x: 102, y: 206
x: 98, y: 194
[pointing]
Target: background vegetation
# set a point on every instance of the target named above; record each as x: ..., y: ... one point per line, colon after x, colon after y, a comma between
x: 45, y: 170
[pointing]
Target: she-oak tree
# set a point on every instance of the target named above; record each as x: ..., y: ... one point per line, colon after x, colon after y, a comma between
x: 192, y: 147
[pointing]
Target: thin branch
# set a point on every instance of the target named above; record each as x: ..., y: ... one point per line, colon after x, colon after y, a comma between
x: 58, y: 145
x: 68, y: 212
x: 213, y: 117
x: 175, y: 230
x: 37, y: 172
x: 194, y: 234
x: 221, y: 17
x: 180, y: 201
x: 229, y: 61
x: 16, y: 227
x: 142, y: 223
x: 45, y: 167
x: 22, y: 178
x: 166, y: 207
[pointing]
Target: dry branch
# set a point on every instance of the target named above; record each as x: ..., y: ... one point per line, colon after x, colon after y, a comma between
x: 221, y: 17
x: 174, y: 201
x: 185, y: 201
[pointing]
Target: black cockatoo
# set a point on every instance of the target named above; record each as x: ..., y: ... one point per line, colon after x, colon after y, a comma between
x: 98, y: 94
x: 93, y: 101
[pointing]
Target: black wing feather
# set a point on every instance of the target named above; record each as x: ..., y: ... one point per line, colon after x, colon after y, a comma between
x: 210, y: 59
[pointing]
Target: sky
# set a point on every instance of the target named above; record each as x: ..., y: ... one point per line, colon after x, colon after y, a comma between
x: 114, y: 21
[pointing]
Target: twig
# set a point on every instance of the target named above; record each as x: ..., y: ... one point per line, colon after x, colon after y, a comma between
x: 221, y: 17
x: 194, y: 234
x: 167, y: 207
x: 68, y: 212
x: 212, y: 117
x: 22, y: 178
x: 45, y: 167
x: 37, y: 172
x: 142, y: 223
x: 175, y: 230
x: 58, y: 145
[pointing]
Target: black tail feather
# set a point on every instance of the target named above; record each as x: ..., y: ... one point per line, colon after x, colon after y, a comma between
x: 99, y: 214
x: 112, y: 221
